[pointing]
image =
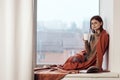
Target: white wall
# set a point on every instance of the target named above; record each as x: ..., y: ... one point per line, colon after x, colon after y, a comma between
x: 115, y: 57
x: 110, y: 11
x: 2, y: 42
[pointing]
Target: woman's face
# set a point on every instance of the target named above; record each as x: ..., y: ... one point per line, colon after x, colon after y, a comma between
x: 95, y: 24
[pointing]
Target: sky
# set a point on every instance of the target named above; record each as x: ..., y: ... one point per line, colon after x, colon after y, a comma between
x: 66, y: 10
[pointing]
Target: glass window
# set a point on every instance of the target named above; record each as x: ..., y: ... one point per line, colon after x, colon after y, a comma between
x: 60, y: 28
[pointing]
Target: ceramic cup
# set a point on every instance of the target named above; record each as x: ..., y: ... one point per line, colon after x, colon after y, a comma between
x: 85, y: 36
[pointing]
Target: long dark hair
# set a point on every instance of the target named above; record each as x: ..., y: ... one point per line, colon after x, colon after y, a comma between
x: 98, y: 18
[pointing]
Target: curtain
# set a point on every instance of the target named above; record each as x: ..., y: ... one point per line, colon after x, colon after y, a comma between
x: 16, y: 44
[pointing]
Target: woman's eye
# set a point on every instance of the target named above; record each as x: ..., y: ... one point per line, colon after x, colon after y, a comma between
x: 95, y: 23
x: 92, y: 23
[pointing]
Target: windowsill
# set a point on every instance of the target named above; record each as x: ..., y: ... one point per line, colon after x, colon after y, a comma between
x: 93, y: 75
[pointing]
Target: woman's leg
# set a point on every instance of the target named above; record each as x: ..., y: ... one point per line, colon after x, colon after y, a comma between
x: 72, y: 62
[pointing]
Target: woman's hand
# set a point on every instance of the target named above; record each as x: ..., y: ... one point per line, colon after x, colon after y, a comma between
x: 83, y: 52
x: 76, y: 59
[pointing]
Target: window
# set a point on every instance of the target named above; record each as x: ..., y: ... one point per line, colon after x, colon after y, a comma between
x: 60, y: 27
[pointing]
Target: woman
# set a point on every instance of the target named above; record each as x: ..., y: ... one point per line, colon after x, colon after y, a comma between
x: 94, y: 49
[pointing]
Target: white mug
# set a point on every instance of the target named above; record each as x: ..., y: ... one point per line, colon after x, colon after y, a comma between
x: 85, y: 36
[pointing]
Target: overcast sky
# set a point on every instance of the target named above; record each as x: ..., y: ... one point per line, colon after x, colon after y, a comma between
x: 66, y: 10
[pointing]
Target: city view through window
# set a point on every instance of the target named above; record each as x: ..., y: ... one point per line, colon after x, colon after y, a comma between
x: 60, y: 28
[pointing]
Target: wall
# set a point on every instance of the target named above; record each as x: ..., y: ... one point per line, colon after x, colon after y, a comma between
x: 116, y: 36
x: 2, y: 42
x: 110, y: 11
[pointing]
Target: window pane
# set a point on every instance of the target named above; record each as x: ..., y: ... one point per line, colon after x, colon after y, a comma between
x: 60, y: 28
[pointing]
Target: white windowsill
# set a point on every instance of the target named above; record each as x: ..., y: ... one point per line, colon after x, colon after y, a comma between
x: 93, y: 75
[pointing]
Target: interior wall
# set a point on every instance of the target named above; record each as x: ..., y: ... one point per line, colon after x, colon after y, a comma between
x: 109, y: 10
x: 116, y: 37
x: 2, y: 42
